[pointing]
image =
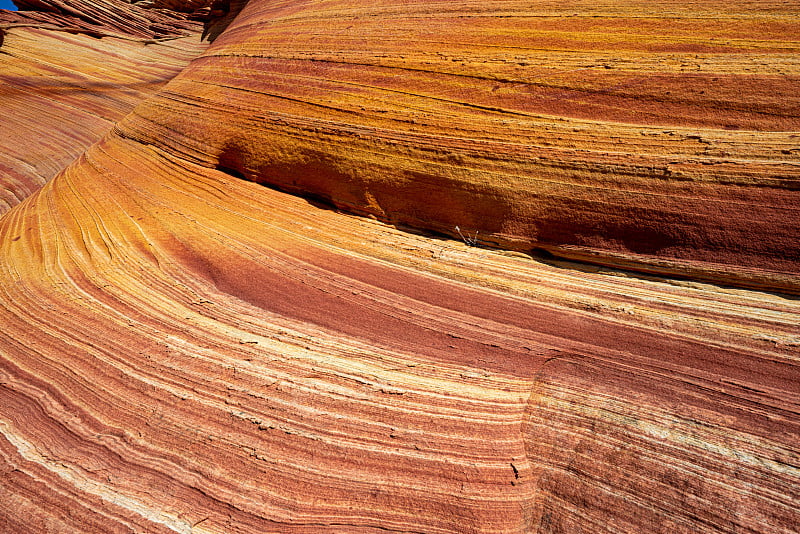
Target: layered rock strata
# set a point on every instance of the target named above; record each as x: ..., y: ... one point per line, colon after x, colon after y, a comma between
x: 632, y: 135
x: 150, y: 19
x: 62, y: 92
x: 186, y: 350
x: 64, y: 82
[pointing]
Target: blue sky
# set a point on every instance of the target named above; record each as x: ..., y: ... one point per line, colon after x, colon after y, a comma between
x: 6, y: 4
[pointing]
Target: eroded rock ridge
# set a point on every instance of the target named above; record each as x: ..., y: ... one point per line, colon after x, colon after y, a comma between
x: 193, y: 340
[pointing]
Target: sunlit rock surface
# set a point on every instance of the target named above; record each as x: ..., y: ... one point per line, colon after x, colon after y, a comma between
x: 63, y: 87
x: 63, y: 92
x: 638, y: 135
x: 186, y: 350
x: 150, y: 19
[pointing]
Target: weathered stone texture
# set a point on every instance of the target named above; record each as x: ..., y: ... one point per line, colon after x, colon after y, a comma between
x: 194, y: 340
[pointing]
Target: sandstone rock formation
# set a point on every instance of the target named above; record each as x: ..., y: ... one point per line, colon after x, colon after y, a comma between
x: 149, y: 19
x: 193, y: 340
x: 63, y: 87
x: 635, y: 138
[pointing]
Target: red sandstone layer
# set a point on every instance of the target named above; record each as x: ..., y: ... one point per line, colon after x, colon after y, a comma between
x: 183, y: 350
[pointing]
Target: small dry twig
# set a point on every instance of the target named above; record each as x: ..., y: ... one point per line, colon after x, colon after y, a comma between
x: 470, y: 241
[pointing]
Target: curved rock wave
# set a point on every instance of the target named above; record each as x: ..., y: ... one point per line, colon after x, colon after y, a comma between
x: 63, y: 88
x: 184, y: 350
x: 61, y: 93
x: 155, y: 19
x: 619, y: 135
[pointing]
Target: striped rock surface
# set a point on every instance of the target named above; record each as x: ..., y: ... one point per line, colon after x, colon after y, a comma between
x: 62, y: 92
x: 186, y: 350
x: 69, y: 71
x: 148, y: 19
x: 637, y: 135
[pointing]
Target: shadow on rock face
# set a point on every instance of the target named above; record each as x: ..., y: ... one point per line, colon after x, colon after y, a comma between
x: 223, y: 12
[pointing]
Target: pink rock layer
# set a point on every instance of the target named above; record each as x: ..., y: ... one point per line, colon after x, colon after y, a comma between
x: 184, y: 350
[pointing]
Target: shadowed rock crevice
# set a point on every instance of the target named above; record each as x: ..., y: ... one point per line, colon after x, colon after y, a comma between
x: 221, y: 14
x: 432, y: 194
